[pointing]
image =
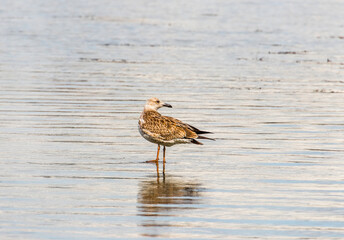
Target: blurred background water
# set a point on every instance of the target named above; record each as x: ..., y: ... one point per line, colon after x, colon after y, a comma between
x: 265, y: 76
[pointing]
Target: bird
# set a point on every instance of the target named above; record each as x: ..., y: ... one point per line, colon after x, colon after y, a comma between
x: 164, y: 130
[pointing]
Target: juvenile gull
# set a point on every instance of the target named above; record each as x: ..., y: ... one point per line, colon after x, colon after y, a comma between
x: 166, y: 131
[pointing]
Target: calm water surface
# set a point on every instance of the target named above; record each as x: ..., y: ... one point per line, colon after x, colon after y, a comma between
x: 265, y: 76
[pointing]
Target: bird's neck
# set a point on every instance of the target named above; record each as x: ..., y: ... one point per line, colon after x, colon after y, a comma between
x: 149, y: 112
x: 149, y: 108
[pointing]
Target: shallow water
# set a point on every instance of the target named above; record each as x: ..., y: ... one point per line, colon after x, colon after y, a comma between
x: 265, y: 77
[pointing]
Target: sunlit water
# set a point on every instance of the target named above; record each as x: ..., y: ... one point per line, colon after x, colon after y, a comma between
x: 265, y: 76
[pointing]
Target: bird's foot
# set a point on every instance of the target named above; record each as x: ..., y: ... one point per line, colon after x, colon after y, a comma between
x: 152, y: 161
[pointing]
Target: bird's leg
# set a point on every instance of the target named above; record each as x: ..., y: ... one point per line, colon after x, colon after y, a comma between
x: 157, y: 170
x: 163, y: 169
x: 157, y: 156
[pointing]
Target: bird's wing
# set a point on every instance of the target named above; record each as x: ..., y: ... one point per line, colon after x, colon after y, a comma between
x: 167, y: 128
x: 190, y: 129
x: 189, y: 133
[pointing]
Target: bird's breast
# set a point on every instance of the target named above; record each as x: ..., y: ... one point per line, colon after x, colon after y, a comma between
x: 142, y: 121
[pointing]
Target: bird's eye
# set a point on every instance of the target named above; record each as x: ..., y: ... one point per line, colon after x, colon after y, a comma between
x: 157, y: 101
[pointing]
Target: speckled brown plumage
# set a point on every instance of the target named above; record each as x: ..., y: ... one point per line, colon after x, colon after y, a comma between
x: 166, y: 128
x: 166, y: 131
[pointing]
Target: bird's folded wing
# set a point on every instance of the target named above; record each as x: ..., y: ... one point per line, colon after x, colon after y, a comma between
x: 191, y: 132
x: 168, y: 128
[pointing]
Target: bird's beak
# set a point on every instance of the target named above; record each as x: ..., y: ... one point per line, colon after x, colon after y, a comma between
x: 167, y: 105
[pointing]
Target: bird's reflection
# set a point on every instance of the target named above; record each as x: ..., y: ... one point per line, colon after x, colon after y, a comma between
x: 156, y: 194
x: 166, y: 197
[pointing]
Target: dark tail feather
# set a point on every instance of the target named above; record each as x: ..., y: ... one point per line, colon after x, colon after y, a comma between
x: 202, y: 132
x: 196, y: 142
x: 196, y: 130
x: 202, y: 137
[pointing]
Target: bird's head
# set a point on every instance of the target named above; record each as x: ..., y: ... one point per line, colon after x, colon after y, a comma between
x: 154, y: 104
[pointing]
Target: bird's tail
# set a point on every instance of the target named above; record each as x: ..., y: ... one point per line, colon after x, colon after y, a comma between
x: 202, y: 132
x: 202, y: 137
x: 196, y: 130
x: 196, y: 142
